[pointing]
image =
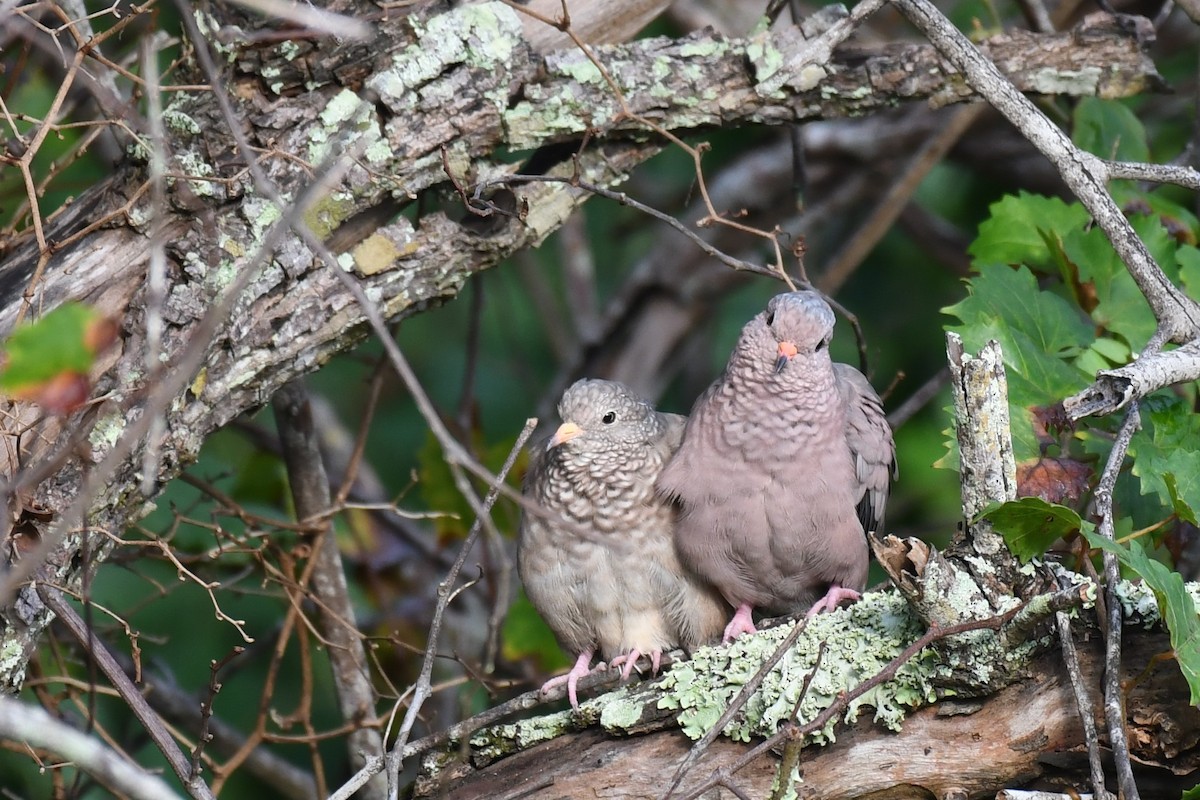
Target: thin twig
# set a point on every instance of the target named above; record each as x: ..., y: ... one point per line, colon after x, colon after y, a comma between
x: 790, y: 760
x: 335, y: 614
x: 422, y: 688
x: 1114, y: 707
x: 153, y: 724
x: 204, y: 736
x: 1083, y: 701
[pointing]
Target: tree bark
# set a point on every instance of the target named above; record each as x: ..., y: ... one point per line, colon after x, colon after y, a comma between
x: 967, y: 749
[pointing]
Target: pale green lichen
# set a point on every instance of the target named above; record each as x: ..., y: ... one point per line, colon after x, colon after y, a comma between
x: 106, y: 432
x: 767, y: 61
x: 580, y: 69
x: 620, y: 713
x: 378, y: 152
x: 481, y: 36
x: 261, y: 214
x: 194, y: 166
x: 224, y: 274
x: 859, y: 641
x: 1138, y: 603
x: 1060, y: 81
x: 341, y: 107
x: 704, y: 49
x: 289, y: 50
x: 180, y: 122
x: 345, y: 116
x: 501, y: 740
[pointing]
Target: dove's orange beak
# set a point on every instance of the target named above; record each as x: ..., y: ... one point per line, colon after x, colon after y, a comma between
x: 787, y: 351
x: 565, y: 433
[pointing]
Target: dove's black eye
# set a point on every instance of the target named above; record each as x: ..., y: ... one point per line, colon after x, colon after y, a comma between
x: 770, y: 318
x: 609, y: 418
x: 821, y: 345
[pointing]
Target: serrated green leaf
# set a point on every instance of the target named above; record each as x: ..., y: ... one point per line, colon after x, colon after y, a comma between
x: 1002, y: 297
x: 1040, y: 334
x: 1120, y: 306
x: 54, y: 344
x: 1019, y: 230
x: 1191, y: 794
x: 1166, y: 455
x: 1108, y: 128
x: 1174, y: 604
x: 1029, y: 525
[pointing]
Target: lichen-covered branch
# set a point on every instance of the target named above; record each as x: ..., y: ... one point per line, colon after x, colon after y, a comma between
x: 571, y: 753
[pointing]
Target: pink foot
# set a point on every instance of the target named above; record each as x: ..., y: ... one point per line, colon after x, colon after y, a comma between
x: 581, y: 669
x: 627, y: 661
x: 742, y: 622
x: 630, y: 660
x: 832, y: 599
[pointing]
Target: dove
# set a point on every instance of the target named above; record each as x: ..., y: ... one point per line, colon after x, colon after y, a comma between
x: 601, y: 569
x: 785, y: 465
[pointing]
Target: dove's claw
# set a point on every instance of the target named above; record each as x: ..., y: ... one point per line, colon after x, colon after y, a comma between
x: 581, y: 669
x: 832, y: 599
x: 742, y: 622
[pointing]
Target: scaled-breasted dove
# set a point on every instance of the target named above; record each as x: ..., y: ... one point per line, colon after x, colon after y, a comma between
x: 605, y: 575
x: 785, y: 462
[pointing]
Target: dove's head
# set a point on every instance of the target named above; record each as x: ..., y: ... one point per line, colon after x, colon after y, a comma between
x: 603, y: 415
x: 797, y: 326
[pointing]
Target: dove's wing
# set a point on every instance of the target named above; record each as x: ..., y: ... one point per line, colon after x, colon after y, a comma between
x: 871, y: 445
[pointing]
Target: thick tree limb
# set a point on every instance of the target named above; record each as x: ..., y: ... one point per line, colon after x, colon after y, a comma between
x: 943, y: 748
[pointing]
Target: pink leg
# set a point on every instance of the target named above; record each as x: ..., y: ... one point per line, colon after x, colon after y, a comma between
x: 742, y: 622
x: 832, y: 599
x: 571, y: 679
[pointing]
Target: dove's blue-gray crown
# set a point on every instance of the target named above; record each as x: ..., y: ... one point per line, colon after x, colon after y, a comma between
x: 802, y: 318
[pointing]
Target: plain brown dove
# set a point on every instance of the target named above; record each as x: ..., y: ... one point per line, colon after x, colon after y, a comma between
x: 785, y: 462
x: 608, y: 580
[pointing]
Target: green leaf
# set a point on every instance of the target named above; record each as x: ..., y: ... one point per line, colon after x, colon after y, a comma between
x: 1019, y: 230
x: 1191, y: 794
x: 526, y: 635
x: 1108, y: 128
x: 1166, y: 455
x: 1029, y: 525
x: 1120, y: 307
x: 1189, y: 270
x: 1002, y: 297
x: 55, y: 344
x: 1040, y: 333
x: 1175, y: 604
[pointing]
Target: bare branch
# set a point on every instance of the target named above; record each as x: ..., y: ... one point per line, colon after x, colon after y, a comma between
x: 33, y: 726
